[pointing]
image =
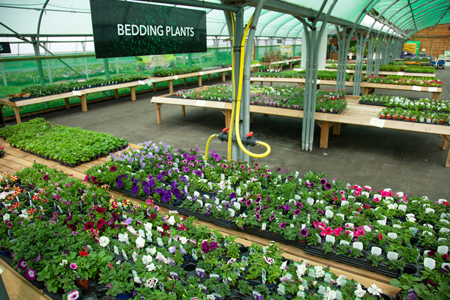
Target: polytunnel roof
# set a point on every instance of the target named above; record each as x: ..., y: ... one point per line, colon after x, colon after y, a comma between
x: 278, y: 17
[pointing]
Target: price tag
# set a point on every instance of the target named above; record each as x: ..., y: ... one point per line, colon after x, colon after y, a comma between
x: 76, y: 93
x: 159, y: 241
x: 194, y: 254
x: 432, y: 89
x: 400, y: 73
x: 318, y: 81
x: 264, y: 276
x: 416, y: 88
x: 200, y: 103
x: 116, y: 250
x: 377, y: 122
x: 201, y: 73
x: 141, y: 82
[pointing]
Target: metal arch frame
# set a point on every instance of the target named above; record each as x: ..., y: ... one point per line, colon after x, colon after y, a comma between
x: 265, y: 25
x: 412, y: 13
x: 448, y: 8
x: 423, y: 20
x: 402, y: 8
x: 292, y: 19
x: 417, y: 14
x: 426, y: 16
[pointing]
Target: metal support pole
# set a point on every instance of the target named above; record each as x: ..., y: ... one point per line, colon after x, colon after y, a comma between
x: 117, y: 65
x: 106, y: 64
x: 359, y: 63
x: 49, y: 72
x: 236, y: 152
x: 5, y: 82
x: 190, y: 60
x: 38, y: 62
x: 86, y: 69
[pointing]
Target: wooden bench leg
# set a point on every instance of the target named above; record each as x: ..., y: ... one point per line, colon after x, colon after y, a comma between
x: 183, y: 110
x: 227, y: 118
x: 209, y: 77
x: 262, y: 83
x: 251, y: 118
x: 365, y: 91
x: 158, y: 112
x: 224, y: 75
x: 67, y: 103
x: 436, y: 96
x: 154, y: 86
x: 200, y: 81
x: 83, y: 103
x: 16, y: 112
x: 336, y: 128
x: 116, y: 94
x: 324, y: 133
x: 133, y: 93
x: 446, y: 142
x: 271, y: 83
x: 170, y: 86
x: 290, y: 65
x: 184, y: 81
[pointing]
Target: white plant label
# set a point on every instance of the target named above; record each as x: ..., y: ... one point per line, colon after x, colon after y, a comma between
x: 381, y: 222
x: 400, y: 73
x: 342, y: 242
x: 238, y: 191
x: 416, y: 88
x: 392, y: 255
x: 429, y: 210
x: 343, y: 203
x: 376, y: 250
x: 116, y: 250
x: 377, y: 122
x: 442, y: 249
x: 141, y: 82
x: 175, y: 77
x: 429, y: 263
x: 201, y: 73
x: 76, y: 93
x: 200, y: 103
x: 358, y: 245
x: 402, y: 207
x: 432, y: 89
x: 330, y: 238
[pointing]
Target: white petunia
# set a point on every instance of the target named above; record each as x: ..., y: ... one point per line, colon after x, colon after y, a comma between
x: 132, y: 230
x: 359, y: 291
x: 148, y: 227
x: 123, y: 237
x: 146, y: 259
x: 104, y: 241
x: 140, y: 243
x: 6, y: 217
x: 374, y: 290
x: 183, y: 240
x: 171, y: 220
x: 319, y: 271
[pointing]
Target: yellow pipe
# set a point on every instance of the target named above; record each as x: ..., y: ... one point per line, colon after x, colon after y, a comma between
x: 234, y: 84
x: 207, y: 145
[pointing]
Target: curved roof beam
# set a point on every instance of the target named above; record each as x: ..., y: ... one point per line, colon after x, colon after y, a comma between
x: 292, y: 18
x: 396, y: 20
x: 40, y: 20
x: 425, y: 18
x: 448, y: 8
x: 425, y: 11
x: 427, y: 8
x: 279, y: 16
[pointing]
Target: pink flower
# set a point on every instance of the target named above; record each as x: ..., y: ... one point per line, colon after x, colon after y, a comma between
x: 73, y: 295
x: 73, y: 266
x: 376, y: 199
x: 380, y: 236
x: 316, y: 223
x: 326, y: 231
x: 338, y: 231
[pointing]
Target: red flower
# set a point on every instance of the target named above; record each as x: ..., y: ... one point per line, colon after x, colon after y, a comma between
x: 165, y: 226
x: 101, y: 223
x: 380, y: 236
x: 94, y: 179
x: 72, y: 227
x: 113, y: 169
x: 153, y: 217
x: 45, y: 177
x: 100, y: 210
x: 181, y: 227
x: 83, y: 253
x: 89, y: 226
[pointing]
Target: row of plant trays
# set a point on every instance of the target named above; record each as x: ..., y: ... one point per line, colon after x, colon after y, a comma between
x: 362, y: 263
x: 382, y: 104
x: 415, y: 121
x: 78, y: 163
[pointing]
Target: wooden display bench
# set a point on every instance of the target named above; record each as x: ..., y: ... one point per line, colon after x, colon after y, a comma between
x: 367, y: 87
x: 199, y: 75
x: 15, y: 160
x: 281, y: 62
x: 354, y: 114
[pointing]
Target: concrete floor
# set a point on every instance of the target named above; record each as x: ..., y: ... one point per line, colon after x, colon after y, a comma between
x: 404, y: 161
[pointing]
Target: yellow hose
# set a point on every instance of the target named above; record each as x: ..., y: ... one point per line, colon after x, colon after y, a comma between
x: 234, y: 84
x: 207, y: 145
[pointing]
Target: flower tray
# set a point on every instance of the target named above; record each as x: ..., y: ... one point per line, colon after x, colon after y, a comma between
x: 440, y: 124
x: 384, y: 105
x: 2, y: 154
x: 129, y: 193
x: 362, y: 263
x: 273, y: 237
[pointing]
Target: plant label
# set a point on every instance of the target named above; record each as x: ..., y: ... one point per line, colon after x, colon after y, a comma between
x: 429, y: 263
x: 343, y: 203
x: 377, y: 122
x: 330, y: 238
x: 59, y: 208
x: 310, y: 201
x: 116, y: 250
x: 135, y: 256
x: 381, y: 222
x: 329, y: 214
x: 76, y: 93
x: 281, y: 289
x: 124, y: 254
x: 263, y: 276
x: 141, y: 233
x: 402, y: 207
x: 392, y: 235
x: 376, y: 250
x: 358, y: 245
x: 342, y: 242
x: 392, y: 255
x: 292, y: 226
x: 400, y: 73
x: 141, y: 82
x: 416, y: 88
x: 442, y: 249
x: 432, y: 89
x: 201, y: 73
x: 200, y: 103
x: 175, y: 77
x: 429, y: 210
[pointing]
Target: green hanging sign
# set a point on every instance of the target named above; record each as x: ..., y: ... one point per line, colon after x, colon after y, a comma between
x: 5, y: 48
x: 132, y: 29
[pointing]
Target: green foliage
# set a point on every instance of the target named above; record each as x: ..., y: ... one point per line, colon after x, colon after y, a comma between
x: 175, y: 71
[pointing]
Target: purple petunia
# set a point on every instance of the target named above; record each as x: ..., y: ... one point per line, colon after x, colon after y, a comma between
x: 328, y: 186
x: 30, y: 274
x: 304, y: 232
x: 258, y: 217
x: 283, y: 225
x: 73, y: 266
x: 22, y: 264
x: 323, y: 181
x: 297, y: 212
x: 272, y: 217
x: 38, y: 257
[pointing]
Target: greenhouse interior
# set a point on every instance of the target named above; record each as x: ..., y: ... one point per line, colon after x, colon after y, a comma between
x: 206, y: 149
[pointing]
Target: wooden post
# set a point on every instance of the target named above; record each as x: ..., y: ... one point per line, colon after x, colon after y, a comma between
x: 158, y: 112
x: 224, y: 75
x: 436, y: 96
x: 227, y: 118
x: 16, y: 112
x: 170, y: 86
x: 446, y: 141
x: 67, y: 103
x: 199, y: 80
x: 133, y: 93
x: 336, y: 128
x: 262, y: 83
x: 183, y: 110
x: 290, y: 64
x: 184, y: 81
x: 116, y: 94
x: 83, y: 102
x: 251, y: 118
x: 324, y: 132
x: 154, y: 86
x: 447, y: 163
x: 209, y: 77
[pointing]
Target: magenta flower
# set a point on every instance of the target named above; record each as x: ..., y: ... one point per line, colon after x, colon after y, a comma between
x: 304, y: 232
x: 283, y: 225
x: 73, y: 266
x: 30, y: 274
x: 22, y: 264
x: 297, y: 212
x: 258, y: 217
x: 73, y: 295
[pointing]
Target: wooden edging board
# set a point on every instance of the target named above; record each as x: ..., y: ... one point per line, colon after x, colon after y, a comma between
x: 387, y: 73
x: 354, y: 114
x: 15, y: 160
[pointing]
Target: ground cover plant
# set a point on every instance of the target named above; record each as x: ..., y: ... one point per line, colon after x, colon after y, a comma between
x: 403, y: 80
x: 321, y: 75
x: 329, y: 101
x: 66, y: 145
x: 79, y: 241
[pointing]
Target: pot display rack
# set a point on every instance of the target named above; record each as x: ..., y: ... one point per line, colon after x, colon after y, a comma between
x: 384, y: 105
x: 78, y: 163
x: 362, y: 263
